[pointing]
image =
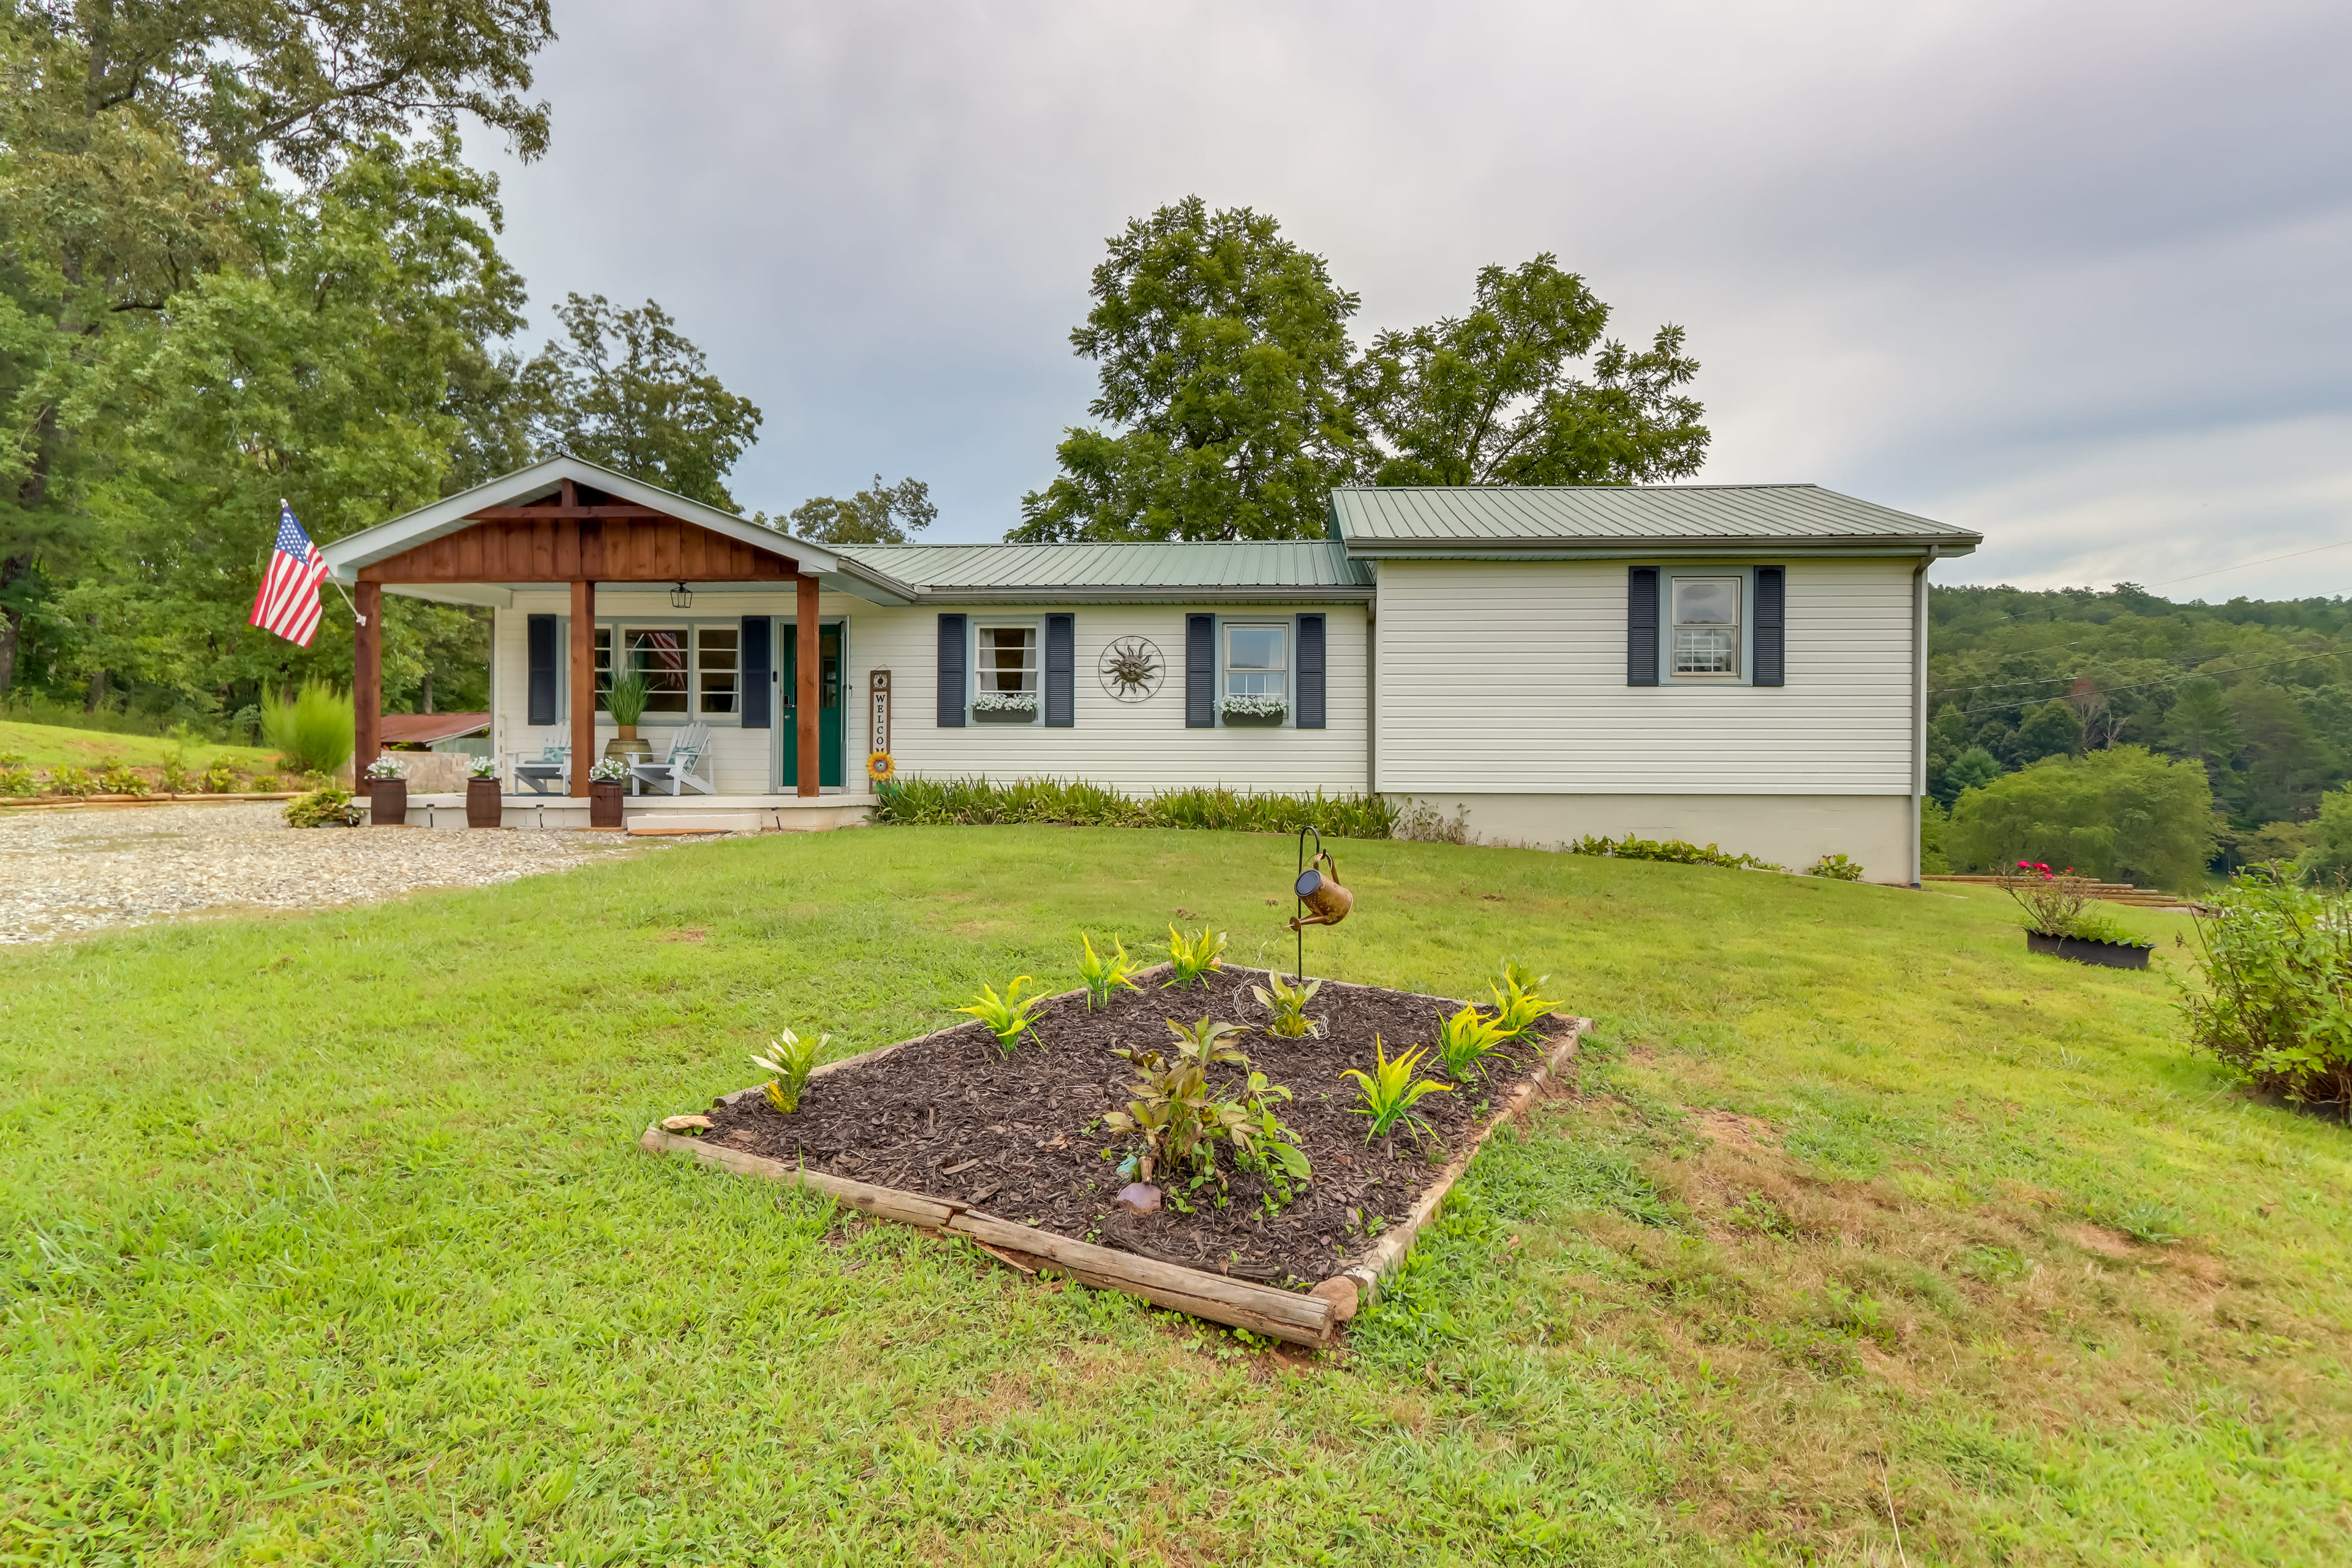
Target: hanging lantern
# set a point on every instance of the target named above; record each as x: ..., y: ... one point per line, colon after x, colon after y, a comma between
x: 681, y: 597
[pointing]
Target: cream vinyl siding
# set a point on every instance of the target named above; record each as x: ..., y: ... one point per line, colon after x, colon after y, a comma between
x: 1508, y: 678
x: 1137, y: 747
x: 1132, y: 746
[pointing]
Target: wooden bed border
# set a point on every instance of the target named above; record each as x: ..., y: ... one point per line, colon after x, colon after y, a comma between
x: 1311, y: 1319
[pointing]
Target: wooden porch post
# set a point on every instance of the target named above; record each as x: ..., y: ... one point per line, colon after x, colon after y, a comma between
x: 805, y: 695
x: 583, y: 682
x: 367, y: 677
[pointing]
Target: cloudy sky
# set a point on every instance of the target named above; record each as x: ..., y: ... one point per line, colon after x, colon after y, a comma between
x: 2077, y: 276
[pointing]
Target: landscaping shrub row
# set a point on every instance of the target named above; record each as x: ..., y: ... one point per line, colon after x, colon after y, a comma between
x: 111, y: 776
x: 975, y: 802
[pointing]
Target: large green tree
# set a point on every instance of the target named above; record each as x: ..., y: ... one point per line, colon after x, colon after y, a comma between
x: 320, y: 374
x: 2122, y: 814
x: 134, y: 134
x: 630, y: 391
x: 1222, y: 353
x: 882, y: 514
x: 1497, y: 396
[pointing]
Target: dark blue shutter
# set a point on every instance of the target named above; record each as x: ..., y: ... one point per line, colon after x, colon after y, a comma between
x: 1310, y: 672
x: 546, y: 665
x: 952, y: 673
x: 759, y: 671
x: 1771, y: 623
x: 1199, y: 672
x: 1061, y: 674
x: 1642, y: 626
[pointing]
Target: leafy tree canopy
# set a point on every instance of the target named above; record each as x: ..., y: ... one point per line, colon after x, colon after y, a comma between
x: 2257, y: 693
x: 1238, y: 401
x: 885, y: 514
x: 1493, y: 397
x: 2121, y: 815
x: 631, y: 392
x: 1223, y: 358
x: 242, y: 82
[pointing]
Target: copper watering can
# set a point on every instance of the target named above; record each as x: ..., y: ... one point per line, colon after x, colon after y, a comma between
x: 1326, y: 903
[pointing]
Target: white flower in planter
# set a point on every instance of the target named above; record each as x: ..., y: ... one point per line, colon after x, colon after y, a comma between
x: 482, y: 768
x: 1253, y: 707
x: 1006, y: 703
x: 385, y: 768
x: 608, y: 770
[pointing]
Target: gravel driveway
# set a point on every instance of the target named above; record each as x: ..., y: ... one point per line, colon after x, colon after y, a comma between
x: 66, y: 872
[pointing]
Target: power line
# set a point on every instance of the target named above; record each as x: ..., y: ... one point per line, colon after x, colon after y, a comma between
x: 2264, y: 560
x: 2143, y: 685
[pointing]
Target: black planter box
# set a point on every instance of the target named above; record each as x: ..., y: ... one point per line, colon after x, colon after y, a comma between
x: 2111, y: 954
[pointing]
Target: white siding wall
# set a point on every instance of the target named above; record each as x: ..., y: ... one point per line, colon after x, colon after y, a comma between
x: 1508, y: 678
x: 1133, y: 746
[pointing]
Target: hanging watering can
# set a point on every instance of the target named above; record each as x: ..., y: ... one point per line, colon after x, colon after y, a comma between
x: 1326, y: 903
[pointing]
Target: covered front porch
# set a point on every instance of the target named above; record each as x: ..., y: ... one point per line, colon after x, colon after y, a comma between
x: 583, y: 558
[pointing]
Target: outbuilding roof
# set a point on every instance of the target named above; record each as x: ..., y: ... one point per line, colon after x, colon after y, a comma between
x: 1627, y: 520
x: 1288, y: 569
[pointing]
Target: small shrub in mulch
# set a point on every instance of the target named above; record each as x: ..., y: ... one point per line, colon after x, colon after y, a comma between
x: 1022, y: 1135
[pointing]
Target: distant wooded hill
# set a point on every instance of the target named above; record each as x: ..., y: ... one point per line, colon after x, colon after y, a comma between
x: 2259, y: 692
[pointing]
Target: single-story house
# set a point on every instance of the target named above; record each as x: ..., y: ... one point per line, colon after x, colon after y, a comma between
x: 1738, y: 665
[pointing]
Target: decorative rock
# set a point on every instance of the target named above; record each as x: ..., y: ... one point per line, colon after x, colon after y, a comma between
x: 1342, y: 1293
x: 64, y: 872
x: 1137, y: 1197
x: 686, y: 1123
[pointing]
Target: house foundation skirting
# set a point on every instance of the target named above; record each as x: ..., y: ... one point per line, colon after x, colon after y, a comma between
x: 648, y: 813
x: 1791, y: 830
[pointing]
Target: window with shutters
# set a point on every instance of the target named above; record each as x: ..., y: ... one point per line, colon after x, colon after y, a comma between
x: 1005, y: 673
x: 1705, y: 637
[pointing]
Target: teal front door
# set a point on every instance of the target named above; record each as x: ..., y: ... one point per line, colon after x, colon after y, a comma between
x: 828, y: 712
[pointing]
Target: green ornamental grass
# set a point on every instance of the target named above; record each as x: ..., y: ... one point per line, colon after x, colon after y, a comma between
x: 310, y: 728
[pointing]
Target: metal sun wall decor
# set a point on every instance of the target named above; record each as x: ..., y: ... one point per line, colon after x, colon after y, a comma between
x: 1321, y: 900
x: 1132, y: 669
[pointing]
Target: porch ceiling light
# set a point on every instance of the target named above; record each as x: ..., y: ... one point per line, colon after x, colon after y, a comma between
x: 681, y: 597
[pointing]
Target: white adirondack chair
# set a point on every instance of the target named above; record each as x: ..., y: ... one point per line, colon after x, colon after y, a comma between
x: 552, y: 765
x: 676, y: 771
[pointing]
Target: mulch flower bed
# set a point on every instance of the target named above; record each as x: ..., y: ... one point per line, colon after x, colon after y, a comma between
x: 1020, y: 1137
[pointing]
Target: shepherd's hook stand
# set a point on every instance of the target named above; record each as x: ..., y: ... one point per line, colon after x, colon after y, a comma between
x: 1298, y: 896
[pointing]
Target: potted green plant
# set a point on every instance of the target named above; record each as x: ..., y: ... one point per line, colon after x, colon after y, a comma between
x: 387, y: 787
x: 604, y: 781
x: 2060, y: 921
x: 484, y: 805
x: 626, y: 703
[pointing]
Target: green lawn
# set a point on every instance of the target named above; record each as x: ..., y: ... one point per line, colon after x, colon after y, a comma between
x: 47, y: 746
x: 329, y: 1243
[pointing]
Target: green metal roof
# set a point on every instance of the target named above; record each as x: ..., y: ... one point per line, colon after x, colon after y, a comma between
x: 1290, y: 570
x: 1620, y: 519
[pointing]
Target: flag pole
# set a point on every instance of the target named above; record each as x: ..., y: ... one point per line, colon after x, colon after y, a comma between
x: 284, y: 505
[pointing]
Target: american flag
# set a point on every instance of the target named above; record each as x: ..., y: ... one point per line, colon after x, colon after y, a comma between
x: 287, y: 602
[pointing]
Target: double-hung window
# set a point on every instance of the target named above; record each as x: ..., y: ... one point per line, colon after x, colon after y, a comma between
x: 1256, y: 672
x: 1004, y: 674
x: 696, y: 673
x: 1706, y: 632
x: 659, y: 654
x: 717, y: 670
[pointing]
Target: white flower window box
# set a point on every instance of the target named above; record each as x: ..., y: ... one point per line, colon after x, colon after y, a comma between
x: 1247, y: 710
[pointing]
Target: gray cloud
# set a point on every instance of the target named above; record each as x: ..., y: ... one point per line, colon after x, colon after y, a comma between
x: 2075, y: 275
